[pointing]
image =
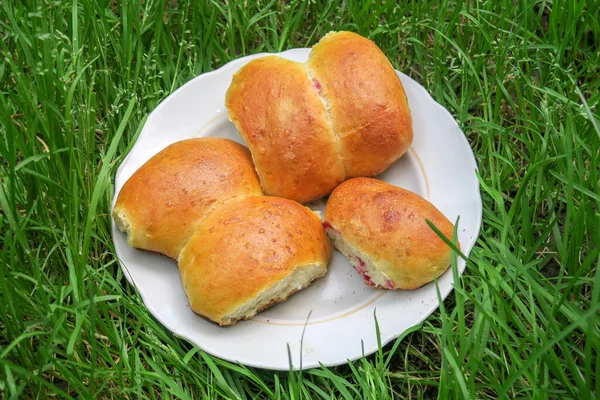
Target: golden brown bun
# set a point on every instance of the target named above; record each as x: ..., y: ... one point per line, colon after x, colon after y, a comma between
x: 382, y: 230
x: 163, y: 203
x: 310, y: 126
x: 285, y: 124
x: 251, y: 253
x: 368, y: 105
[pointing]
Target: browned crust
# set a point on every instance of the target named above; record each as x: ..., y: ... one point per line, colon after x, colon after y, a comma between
x: 247, y: 246
x: 369, y: 108
x: 285, y: 124
x: 166, y: 199
x: 387, y: 223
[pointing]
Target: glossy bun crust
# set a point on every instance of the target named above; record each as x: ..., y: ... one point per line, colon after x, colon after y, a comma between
x: 282, y: 119
x: 368, y: 106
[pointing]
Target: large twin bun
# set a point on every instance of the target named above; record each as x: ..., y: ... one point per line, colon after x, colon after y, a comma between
x: 312, y: 125
x: 198, y: 201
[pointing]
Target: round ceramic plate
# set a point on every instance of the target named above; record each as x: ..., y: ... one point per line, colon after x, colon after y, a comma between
x: 338, y: 310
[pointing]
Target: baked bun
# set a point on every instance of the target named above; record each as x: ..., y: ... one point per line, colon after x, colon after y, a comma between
x: 250, y: 254
x: 368, y: 107
x: 164, y: 201
x: 382, y: 231
x: 286, y: 126
x: 310, y: 126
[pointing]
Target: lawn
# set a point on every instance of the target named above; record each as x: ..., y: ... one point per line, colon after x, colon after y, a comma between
x: 522, y: 78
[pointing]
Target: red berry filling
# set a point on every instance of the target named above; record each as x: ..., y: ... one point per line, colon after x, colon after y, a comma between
x: 327, y: 225
x: 361, y: 269
x: 317, y: 85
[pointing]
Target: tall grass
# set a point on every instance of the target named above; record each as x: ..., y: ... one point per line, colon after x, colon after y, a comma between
x: 78, y: 78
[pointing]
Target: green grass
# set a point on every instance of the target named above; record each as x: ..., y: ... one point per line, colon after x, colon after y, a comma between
x: 522, y: 78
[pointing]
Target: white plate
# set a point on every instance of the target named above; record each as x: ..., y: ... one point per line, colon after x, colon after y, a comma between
x: 440, y: 166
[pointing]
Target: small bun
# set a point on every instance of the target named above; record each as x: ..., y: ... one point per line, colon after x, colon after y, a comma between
x: 383, y: 232
x: 252, y: 253
x: 164, y: 201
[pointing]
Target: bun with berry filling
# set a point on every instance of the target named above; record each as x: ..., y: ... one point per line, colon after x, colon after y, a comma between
x: 342, y: 114
x: 383, y: 232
